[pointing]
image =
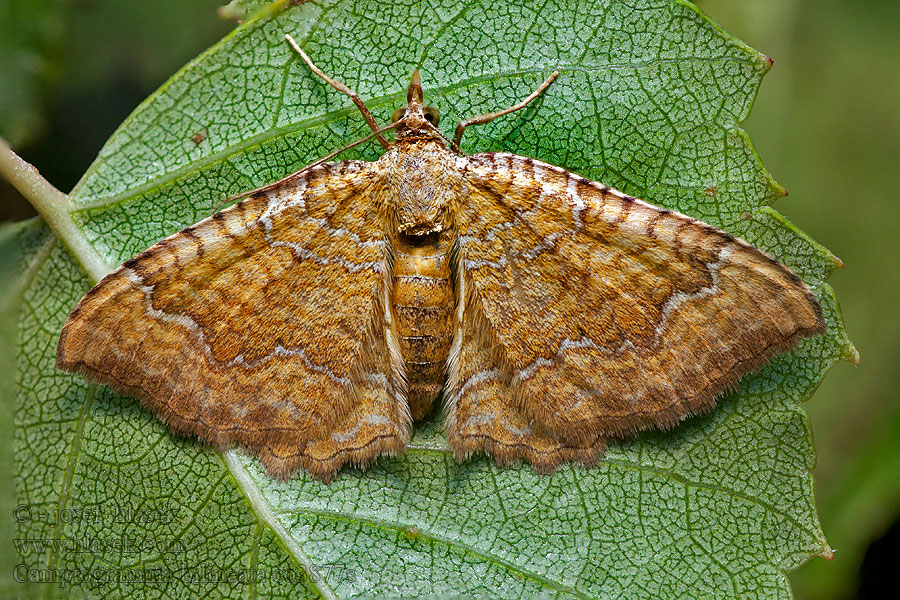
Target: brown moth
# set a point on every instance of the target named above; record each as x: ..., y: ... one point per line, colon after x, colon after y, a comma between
x: 551, y: 313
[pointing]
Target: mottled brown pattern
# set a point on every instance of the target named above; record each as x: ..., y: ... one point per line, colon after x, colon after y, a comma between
x: 227, y: 344
x: 482, y: 416
x: 613, y: 325
x: 311, y: 323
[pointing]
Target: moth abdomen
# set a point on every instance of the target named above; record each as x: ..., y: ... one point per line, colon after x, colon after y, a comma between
x: 423, y: 301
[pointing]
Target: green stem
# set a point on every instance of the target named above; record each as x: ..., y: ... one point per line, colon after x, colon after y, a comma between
x: 55, y: 208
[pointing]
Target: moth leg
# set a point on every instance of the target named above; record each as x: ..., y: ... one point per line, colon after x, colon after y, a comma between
x: 366, y: 113
x: 487, y: 117
x: 483, y: 414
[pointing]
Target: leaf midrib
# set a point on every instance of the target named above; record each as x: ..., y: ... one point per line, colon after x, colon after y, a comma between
x: 427, y: 535
x: 334, y: 116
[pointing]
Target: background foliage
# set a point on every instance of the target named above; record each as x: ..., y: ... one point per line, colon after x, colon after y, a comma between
x: 827, y: 126
x: 865, y: 495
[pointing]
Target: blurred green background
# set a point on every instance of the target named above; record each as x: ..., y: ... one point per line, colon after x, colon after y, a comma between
x: 826, y: 123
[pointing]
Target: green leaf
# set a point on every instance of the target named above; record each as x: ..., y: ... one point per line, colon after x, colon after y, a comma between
x: 649, y: 101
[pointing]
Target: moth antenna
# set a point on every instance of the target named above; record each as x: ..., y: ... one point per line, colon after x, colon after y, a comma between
x: 487, y: 117
x: 366, y: 113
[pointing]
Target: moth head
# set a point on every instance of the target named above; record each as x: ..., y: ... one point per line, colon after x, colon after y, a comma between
x: 415, y: 116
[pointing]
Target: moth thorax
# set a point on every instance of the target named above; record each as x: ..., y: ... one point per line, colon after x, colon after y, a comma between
x: 423, y: 189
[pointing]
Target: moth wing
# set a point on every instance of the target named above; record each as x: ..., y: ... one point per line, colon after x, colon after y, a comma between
x: 262, y: 326
x: 481, y: 415
x: 615, y: 315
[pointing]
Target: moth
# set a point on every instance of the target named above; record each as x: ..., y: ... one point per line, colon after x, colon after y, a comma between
x: 314, y: 321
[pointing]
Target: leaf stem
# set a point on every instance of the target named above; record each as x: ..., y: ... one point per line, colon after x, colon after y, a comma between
x: 54, y: 207
x: 264, y: 513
